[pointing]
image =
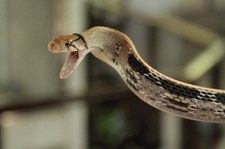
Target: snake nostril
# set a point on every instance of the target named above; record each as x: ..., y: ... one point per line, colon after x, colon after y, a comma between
x: 52, y: 46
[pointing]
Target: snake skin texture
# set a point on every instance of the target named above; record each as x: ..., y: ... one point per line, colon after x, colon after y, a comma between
x: 154, y: 88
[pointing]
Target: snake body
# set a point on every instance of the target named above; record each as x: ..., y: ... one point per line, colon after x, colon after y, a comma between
x: 156, y: 89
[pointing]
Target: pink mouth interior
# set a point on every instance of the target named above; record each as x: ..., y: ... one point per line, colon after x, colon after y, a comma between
x: 69, y: 64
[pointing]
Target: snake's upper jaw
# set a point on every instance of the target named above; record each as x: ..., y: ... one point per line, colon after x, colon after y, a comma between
x: 54, y: 47
x: 73, y: 60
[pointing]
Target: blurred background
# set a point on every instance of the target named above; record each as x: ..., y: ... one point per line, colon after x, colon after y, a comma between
x: 93, y: 109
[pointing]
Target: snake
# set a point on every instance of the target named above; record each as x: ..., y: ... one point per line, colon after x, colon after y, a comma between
x: 154, y: 88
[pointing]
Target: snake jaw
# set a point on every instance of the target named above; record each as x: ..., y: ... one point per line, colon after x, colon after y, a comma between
x: 69, y: 65
x: 76, y: 53
x: 72, y: 61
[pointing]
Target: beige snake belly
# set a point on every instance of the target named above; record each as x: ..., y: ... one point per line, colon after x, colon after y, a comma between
x: 154, y: 88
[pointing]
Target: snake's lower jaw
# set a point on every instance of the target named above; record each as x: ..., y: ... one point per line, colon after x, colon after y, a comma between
x: 69, y: 64
x: 73, y: 60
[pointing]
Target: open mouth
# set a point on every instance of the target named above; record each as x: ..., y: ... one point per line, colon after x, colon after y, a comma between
x: 70, y: 64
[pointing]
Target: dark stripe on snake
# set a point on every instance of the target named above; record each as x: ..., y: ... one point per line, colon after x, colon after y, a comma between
x: 173, y: 87
x: 220, y: 97
x: 178, y: 103
x: 80, y: 37
x: 131, y: 80
x: 176, y: 109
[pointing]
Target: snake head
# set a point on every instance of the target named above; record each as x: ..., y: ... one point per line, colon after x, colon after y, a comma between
x: 76, y: 47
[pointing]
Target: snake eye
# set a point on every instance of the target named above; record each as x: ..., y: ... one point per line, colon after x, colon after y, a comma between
x: 67, y: 44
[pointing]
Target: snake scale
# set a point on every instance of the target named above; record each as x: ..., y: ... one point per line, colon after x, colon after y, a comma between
x: 156, y: 89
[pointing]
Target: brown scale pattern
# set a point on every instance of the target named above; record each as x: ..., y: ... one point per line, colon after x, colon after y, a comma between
x: 172, y: 87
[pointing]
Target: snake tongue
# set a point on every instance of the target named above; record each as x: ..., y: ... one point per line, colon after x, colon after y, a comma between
x: 69, y: 65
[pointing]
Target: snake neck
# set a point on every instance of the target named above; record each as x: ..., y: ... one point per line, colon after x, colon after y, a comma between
x: 109, y: 46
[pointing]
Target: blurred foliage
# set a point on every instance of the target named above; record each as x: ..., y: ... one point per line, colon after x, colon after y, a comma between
x: 117, y: 124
